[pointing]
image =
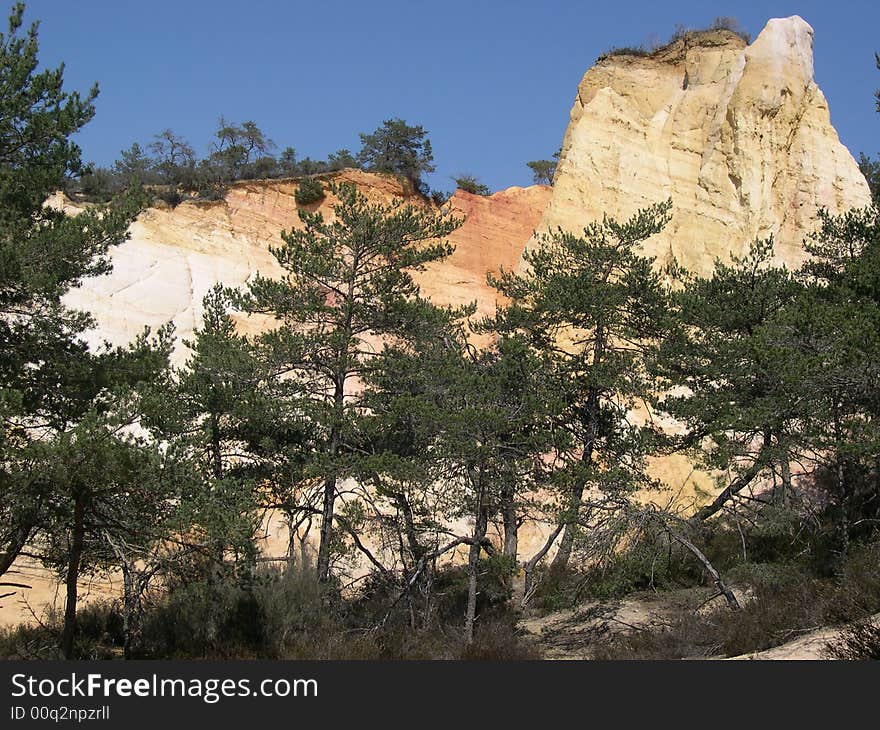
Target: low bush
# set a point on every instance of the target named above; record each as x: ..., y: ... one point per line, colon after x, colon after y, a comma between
x: 276, y: 613
x: 785, y: 601
x: 98, y: 635
x: 309, y: 191
x: 859, y: 642
x: 170, y: 195
x: 471, y: 184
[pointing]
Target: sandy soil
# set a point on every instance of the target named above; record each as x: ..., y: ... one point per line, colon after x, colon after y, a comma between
x: 574, y: 633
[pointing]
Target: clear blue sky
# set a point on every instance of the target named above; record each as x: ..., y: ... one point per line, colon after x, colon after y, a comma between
x: 492, y: 82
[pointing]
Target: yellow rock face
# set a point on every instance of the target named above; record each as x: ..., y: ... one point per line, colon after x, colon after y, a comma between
x: 738, y: 136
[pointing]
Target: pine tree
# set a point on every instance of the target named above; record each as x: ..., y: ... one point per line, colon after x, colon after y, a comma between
x: 456, y: 433
x: 44, y: 366
x: 93, y: 478
x: 347, y: 285
x: 205, y: 414
x: 596, y: 309
x: 834, y: 333
x: 727, y: 368
x: 398, y: 148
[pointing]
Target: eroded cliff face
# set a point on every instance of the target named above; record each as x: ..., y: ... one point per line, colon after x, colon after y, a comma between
x: 738, y: 136
x: 174, y: 256
x: 492, y: 237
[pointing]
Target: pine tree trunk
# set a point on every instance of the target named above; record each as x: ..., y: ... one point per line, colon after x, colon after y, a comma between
x: 843, y: 522
x: 330, y: 485
x: 326, y: 529
x: 480, y: 526
x: 785, y: 496
x: 842, y: 494
x: 216, y: 452
x: 128, y: 609
x: 510, y: 521
x: 75, y: 556
x: 291, y: 543
x: 563, y: 554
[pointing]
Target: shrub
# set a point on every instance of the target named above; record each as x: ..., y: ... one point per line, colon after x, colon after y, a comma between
x: 497, y: 639
x: 98, y: 635
x: 639, y: 51
x: 470, y: 184
x: 170, y: 195
x: 681, y: 32
x: 213, y: 191
x: 858, y: 642
x: 725, y: 22
x: 785, y: 602
x: 97, y: 184
x: 439, y: 197
x: 309, y: 191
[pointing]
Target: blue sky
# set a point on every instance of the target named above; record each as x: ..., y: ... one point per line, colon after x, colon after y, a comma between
x: 492, y: 82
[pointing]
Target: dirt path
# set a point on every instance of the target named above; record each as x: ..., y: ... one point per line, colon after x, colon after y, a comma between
x: 575, y: 633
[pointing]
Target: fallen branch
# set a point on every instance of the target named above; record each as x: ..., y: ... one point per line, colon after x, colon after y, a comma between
x: 710, y: 569
x: 734, y: 488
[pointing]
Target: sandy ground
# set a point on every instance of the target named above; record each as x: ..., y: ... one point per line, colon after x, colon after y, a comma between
x: 574, y: 633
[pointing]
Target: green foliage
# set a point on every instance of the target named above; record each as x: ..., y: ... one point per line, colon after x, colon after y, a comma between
x: 651, y: 564
x: 543, y: 171
x: 471, y: 184
x: 345, y: 280
x: 175, y: 158
x: 682, y: 33
x: 726, y: 351
x: 236, y: 150
x: 859, y: 642
x: 637, y: 51
x: 784, y: 601
x: 722, y: 22
x: 49, y: 381
x: 397, y: 148
x: 341, y: 159
x: 877, y: 93
x: 37, y: 119
x: 595, y: 309
x: 439, y: 197
x: 96, y: 184
x: 276, y: 613
x: 310, y: 190
x: 870, y: 168
x: 210, y: 418
x: 99, y: 635
x: 134, y: 167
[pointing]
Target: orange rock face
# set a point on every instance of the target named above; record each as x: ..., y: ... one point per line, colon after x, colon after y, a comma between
x: 492, y: 237
x: 174, y: 256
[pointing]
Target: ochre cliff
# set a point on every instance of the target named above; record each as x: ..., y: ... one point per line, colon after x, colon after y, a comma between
x: 492, y: 237
x: 175, y: 255
x: 738, y: 136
